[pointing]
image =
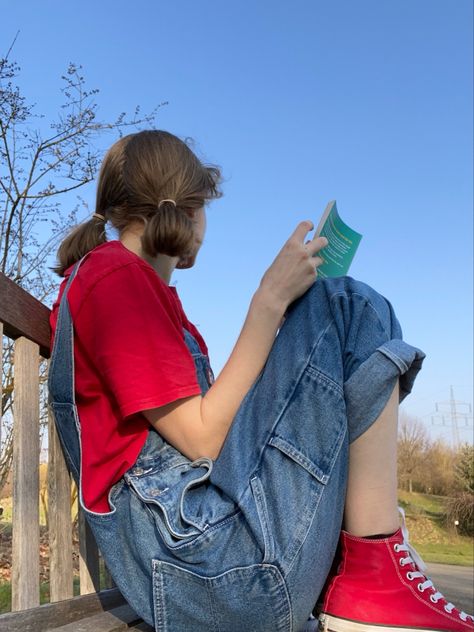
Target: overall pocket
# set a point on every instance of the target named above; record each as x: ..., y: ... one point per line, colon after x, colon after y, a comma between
x: 165, y: 491
x: 297, y: 465
x: 312, y: 428
x: 242, y: 599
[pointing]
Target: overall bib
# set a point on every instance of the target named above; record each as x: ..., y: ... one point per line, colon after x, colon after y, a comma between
x: 244, y: 543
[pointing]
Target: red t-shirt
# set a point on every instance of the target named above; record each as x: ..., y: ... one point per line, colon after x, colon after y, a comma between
x: 129, y: 355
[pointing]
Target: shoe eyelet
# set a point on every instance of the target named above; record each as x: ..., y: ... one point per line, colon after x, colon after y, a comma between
x: 401, y: 561
x: 433, y: 600
x: 396, y: 548
x: 420, y: 588
x: 410, y: 576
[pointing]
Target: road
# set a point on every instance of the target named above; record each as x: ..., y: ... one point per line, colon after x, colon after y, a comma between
x: 455, y: 582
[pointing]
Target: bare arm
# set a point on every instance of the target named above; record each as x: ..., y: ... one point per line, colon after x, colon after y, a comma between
x: 197, y: 426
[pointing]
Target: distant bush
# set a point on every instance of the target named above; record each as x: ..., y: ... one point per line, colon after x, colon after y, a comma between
x: 461, y: 508
x: 464, y: 468
x: 461, y: 505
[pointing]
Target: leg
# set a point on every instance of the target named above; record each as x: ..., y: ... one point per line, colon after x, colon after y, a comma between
x: 371, y: 499
x: 290, y: 438
x: 380, y: 582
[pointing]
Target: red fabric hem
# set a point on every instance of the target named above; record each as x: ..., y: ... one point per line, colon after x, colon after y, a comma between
x: 146, y: 404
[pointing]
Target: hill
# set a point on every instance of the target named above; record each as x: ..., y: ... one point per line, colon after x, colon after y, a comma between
x: 434, y: 540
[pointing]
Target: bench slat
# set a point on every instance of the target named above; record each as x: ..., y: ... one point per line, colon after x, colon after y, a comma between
x: 89, y: 572
x: 51, y: 615
x: 1, y: 383
x: 25, y: 540
x: 115, y: 620
x: 24, y: 315
x: 59, y: 514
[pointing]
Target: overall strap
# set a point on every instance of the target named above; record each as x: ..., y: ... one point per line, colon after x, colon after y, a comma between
x: 61, y: 370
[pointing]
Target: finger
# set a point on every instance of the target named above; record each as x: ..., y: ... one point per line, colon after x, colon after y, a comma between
x: 302, y: 230
x: 315, y: 236
x: 318, y: 261
x: 315, y: 245
x: 320, y: 237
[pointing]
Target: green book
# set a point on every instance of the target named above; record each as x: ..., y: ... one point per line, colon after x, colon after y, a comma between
x: 342, y: 243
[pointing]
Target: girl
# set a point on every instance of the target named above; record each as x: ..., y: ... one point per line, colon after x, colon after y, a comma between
x: 218, y: 505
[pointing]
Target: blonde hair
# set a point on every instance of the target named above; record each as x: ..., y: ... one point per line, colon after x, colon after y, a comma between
x: 138, y: 172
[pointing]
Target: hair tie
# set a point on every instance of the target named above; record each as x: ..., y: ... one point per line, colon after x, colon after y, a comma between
x: 167, y: 200
x: 99, y: 216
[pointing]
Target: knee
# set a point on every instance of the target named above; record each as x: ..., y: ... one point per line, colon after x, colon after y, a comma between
x: 352, y: 299
x: 355, y: 308
x: 347, y: 285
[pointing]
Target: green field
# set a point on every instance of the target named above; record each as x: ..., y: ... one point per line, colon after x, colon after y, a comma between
x: 433, y: 539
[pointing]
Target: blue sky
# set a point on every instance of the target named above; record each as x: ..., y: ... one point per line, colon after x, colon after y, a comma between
x: 367, y: 102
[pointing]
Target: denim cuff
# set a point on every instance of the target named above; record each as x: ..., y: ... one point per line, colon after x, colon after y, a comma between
x: 368, y: 389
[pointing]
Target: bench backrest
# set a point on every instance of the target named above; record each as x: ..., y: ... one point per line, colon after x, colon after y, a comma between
x: 25, y: 320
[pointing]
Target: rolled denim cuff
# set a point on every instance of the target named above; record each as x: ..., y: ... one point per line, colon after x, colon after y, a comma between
x: 368, y: 389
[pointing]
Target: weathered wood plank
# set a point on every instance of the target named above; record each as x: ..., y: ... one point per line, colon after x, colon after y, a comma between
x: 1, y: 381
x: 24, y: 315
x: 25, y: 544
x: 59, y: 519
x: 51, y: 615
x: 89, y: 575
x: 115, y: 620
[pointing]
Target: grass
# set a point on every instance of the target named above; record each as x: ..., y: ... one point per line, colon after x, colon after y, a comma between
x: 5, y: 597
x: 427, y: 503
x: 429, y: 533
x: 6, y: 593
x: 460, y: 553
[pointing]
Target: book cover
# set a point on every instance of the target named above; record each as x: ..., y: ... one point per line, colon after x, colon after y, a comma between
x: 343, y: 242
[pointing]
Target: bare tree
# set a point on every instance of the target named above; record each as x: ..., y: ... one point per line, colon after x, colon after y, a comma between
x: 412, y: 445
x: 41, y: 166
x: 437, y: 477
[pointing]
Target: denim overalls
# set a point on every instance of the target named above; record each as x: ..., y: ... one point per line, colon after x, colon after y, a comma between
x: 244, y: 543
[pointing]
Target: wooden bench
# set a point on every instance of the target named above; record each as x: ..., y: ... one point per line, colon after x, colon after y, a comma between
x: 98, y: 608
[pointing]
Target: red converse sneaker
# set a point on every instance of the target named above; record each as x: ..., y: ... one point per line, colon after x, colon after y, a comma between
x: 380, y: 586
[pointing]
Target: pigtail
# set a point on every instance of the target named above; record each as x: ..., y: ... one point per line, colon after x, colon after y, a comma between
x: 168, y: 231
x: 79, y: 241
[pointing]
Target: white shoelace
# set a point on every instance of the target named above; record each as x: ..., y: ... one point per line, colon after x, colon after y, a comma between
x: 414, y: 558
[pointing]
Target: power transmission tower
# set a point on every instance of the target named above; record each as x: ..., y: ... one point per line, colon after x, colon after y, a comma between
x: 451, y: 417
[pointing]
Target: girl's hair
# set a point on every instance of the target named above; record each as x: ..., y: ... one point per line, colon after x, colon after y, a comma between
x: 138, y: 172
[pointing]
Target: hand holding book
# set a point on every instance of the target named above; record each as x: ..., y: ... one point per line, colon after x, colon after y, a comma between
x: 342, y: 243
x: 333, y: 247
